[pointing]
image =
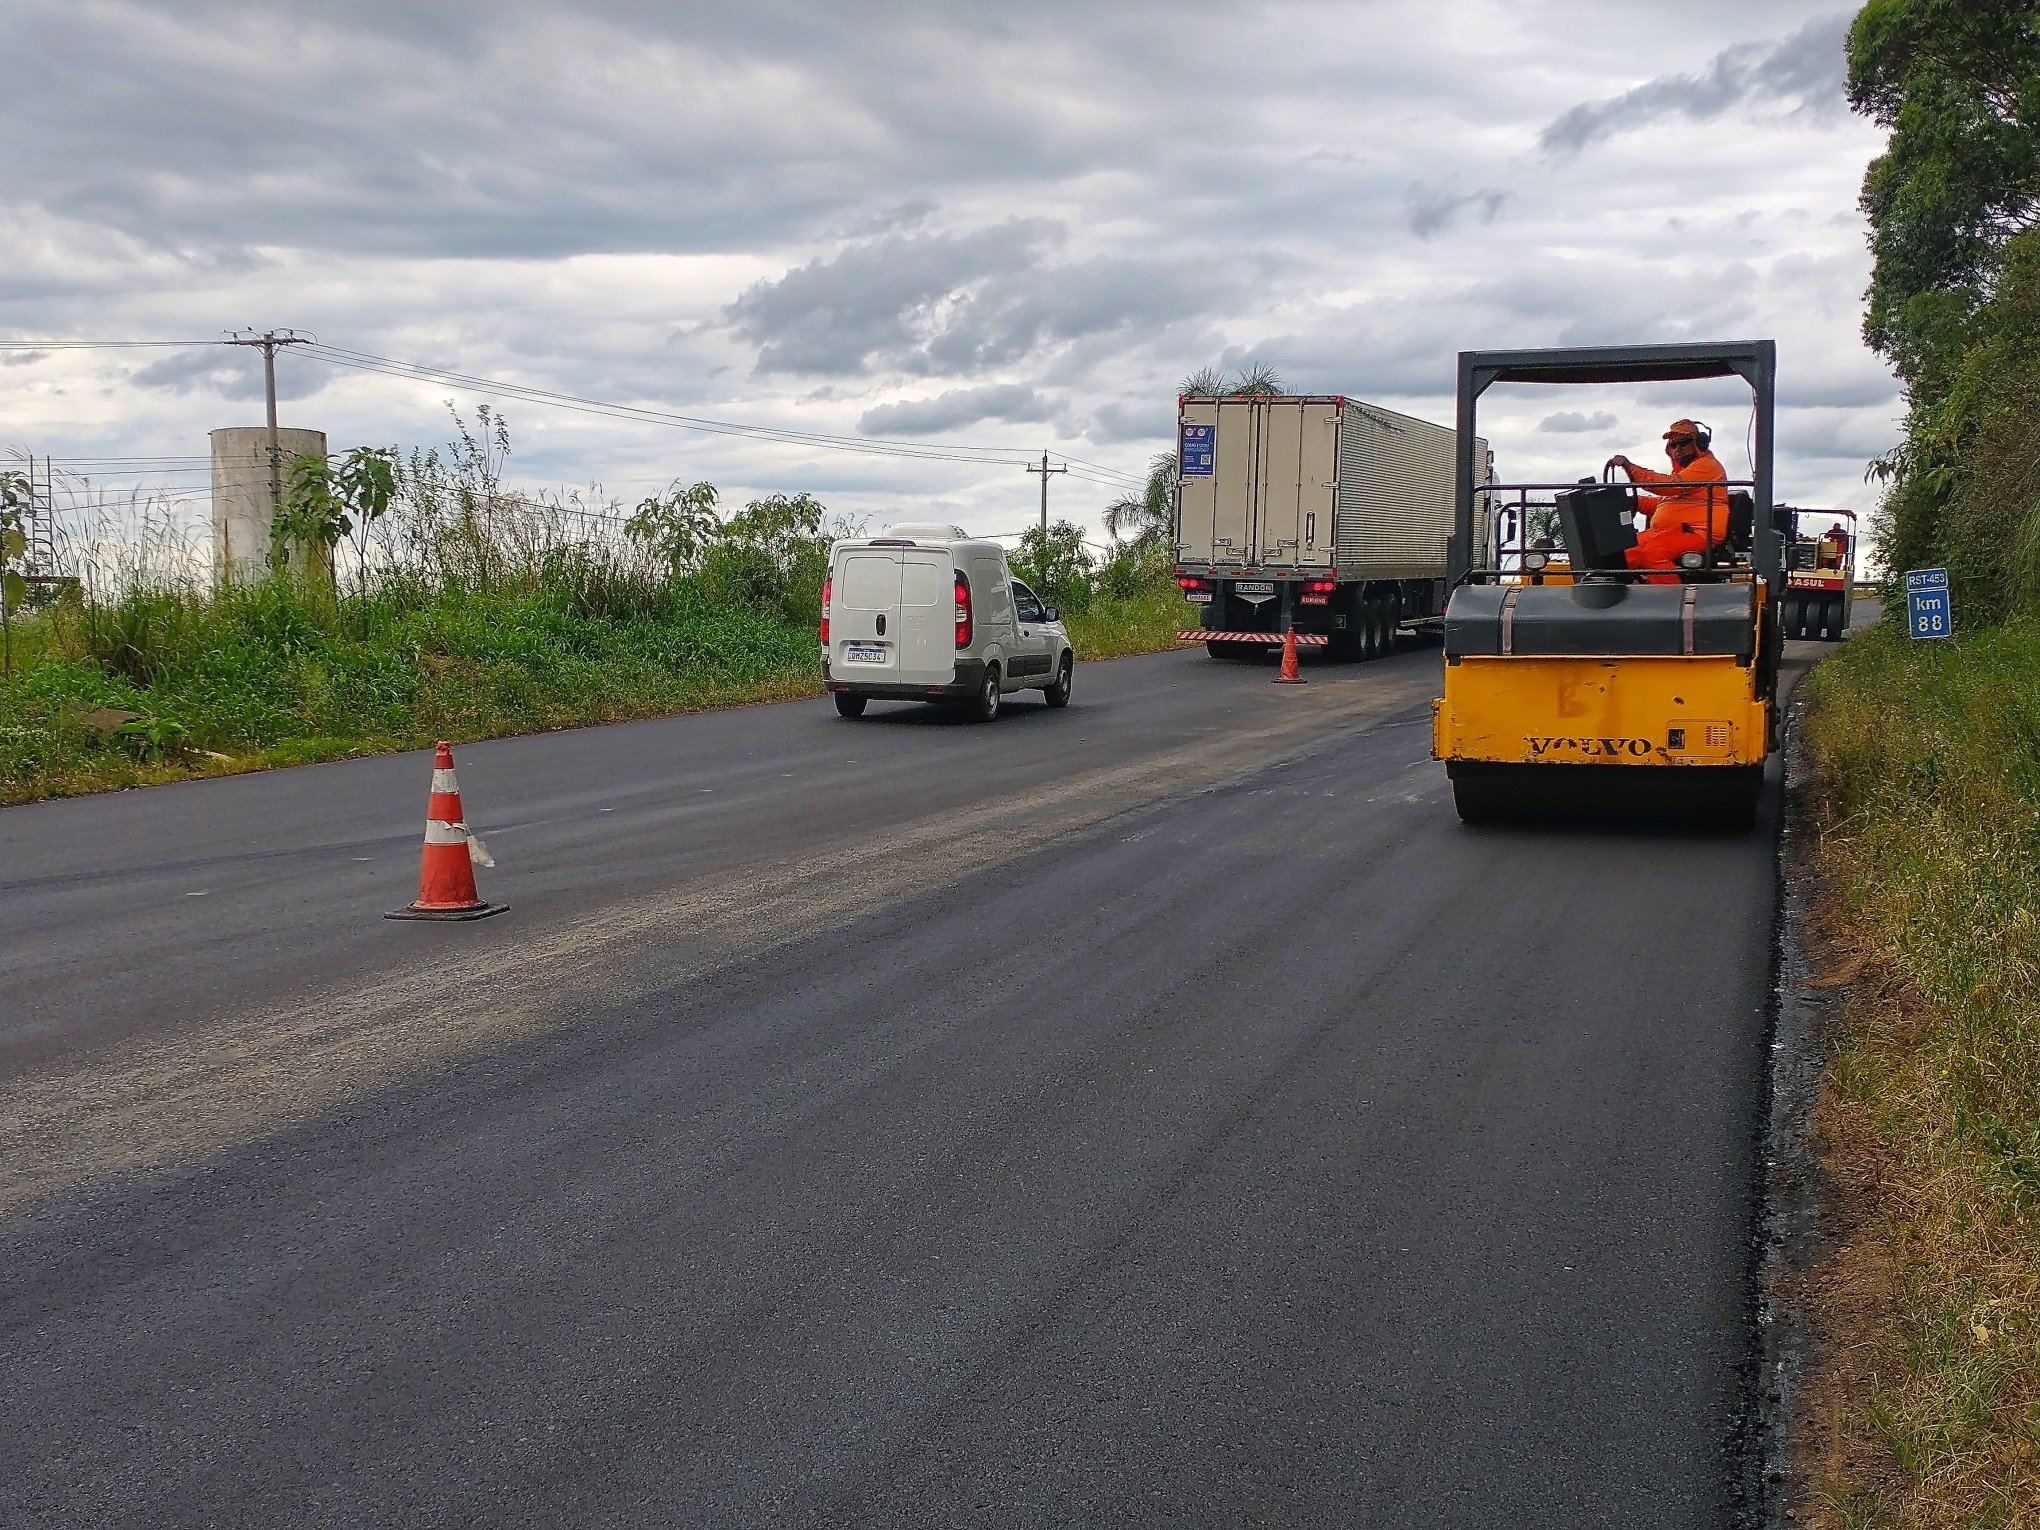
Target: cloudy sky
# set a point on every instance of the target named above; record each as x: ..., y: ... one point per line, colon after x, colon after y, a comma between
x: 997, y: 229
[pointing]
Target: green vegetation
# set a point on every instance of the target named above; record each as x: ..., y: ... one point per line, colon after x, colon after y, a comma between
x: 1954, y: 206
x: 1923, y: 1406
x: 464, y: 611
x: 172, y: 682
x: 1929, y: 862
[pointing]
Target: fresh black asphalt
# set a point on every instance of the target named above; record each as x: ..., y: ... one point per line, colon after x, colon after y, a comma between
x: 1280, y: 1153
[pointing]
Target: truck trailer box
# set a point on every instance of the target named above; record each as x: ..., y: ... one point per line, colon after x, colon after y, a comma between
x: 1313, y: 486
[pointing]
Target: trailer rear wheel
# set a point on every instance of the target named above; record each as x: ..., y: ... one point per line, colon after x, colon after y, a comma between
x: 1370, y: 627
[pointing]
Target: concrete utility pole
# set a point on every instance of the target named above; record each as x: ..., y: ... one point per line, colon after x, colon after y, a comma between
x: 1044, y: 470
x: 269, y: 340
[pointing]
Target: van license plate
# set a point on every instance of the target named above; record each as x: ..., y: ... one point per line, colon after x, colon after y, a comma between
x: 864, y: 653
x: 1255, y: 587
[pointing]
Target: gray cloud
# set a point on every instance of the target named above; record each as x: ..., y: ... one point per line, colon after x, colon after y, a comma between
x: 1011, y: 402
x: 957, y: 304
x: 585, y: 195
x: 1152, y: 421
x: 1569, y: 422
x: 879, y: 298
x: 230, y: 372
x: 1804, y: 70
x: 1431, y: 211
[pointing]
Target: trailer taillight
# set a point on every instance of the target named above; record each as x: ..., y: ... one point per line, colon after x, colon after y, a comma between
x: 963, y: 623
x: 1320, y: 586
x: 827, y: 586
x: 1190, y: 584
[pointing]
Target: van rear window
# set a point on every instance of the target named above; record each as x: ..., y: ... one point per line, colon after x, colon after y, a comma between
x: 927, y: 582
x: 870, y: 582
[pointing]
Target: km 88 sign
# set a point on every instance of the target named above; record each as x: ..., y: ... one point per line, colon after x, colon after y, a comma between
x: 1929, y: 612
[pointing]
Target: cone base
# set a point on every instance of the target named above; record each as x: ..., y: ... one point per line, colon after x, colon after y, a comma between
x: 479, y: 911
x: 1289, y: 680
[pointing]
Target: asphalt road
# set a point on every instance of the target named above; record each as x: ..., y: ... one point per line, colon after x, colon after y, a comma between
x: 1161, y: 1111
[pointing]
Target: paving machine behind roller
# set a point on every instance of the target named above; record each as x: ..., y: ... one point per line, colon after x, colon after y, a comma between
x: 1820, y: 572
x: 1645, y: 694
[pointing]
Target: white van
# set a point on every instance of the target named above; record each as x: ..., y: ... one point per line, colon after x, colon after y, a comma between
x: 926, y: 613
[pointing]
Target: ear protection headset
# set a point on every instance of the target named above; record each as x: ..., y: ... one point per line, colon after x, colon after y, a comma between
x: 1703, y: 433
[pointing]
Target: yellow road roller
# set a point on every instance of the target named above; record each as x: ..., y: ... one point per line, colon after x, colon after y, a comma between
x: 1586, y: 684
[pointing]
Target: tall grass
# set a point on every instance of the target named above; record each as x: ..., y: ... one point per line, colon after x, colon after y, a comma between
x: 1929, y: 854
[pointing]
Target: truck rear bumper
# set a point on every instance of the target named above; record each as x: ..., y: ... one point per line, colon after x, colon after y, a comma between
x: 1205, y: 635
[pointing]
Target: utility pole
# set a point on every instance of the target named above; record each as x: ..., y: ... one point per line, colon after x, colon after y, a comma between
x: 1044, y: 470
x: 269, y: 340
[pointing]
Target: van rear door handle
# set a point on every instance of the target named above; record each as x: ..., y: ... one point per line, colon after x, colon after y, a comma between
x: 881, y: 626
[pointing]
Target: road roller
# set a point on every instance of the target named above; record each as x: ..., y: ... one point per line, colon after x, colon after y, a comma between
x: 1584, y: 685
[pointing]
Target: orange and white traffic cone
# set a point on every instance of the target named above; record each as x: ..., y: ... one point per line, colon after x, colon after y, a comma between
x: 1289, y: 673
x: 446, y: 872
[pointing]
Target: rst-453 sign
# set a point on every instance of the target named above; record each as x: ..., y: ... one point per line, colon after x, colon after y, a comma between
x: 1929, y: 613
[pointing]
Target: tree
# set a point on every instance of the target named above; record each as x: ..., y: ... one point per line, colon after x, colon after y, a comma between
x: 324, y: 505
x: 1256, y: 380
x: 1147, y: 519
x: 1957, y: 83
x: 15, y: 500
x: 676, y: 526
x: 311, y: 518
x: 1058, y: 567
x: 1954, y: 210
x: 772, y: 555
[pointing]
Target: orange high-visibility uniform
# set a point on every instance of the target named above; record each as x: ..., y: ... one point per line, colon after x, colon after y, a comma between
x: 1682, y: 519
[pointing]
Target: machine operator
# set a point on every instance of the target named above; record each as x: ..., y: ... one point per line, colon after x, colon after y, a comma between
x: 1682, y: 519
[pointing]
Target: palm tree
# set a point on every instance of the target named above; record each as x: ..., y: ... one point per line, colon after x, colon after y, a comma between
x: 1256, y: 380
x: 1259, y: 380
x: 1147, y: 519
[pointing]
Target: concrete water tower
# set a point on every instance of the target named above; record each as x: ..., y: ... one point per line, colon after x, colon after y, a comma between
x: 242, y: 489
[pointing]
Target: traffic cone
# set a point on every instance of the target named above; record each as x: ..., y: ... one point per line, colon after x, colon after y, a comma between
x: 446, y: 872
x: 1289, y: 673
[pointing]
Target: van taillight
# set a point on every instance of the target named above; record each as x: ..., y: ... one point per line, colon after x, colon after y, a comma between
x: 963, y: 626
x: 827, y: 586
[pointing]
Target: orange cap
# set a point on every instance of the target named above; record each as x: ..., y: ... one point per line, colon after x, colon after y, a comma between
x: 1684, y: 428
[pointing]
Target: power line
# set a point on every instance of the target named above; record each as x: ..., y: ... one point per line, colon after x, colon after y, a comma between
x: 581, y: 405
x: 367, y: 361
x: 98, y: 345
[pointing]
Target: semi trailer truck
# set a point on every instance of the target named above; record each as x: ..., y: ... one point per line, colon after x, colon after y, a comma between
x: 1327, y: 515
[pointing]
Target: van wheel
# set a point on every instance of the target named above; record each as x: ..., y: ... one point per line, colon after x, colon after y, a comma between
x: 848, y: 705
x: 1058, y: 694
x: 984, y: 706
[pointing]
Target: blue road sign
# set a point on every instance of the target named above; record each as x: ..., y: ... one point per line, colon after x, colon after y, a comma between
x: 1197, y: 450
x: 1929, y: 612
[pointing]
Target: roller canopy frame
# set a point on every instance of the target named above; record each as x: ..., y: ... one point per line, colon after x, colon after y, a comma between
x: 1754, y: 361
